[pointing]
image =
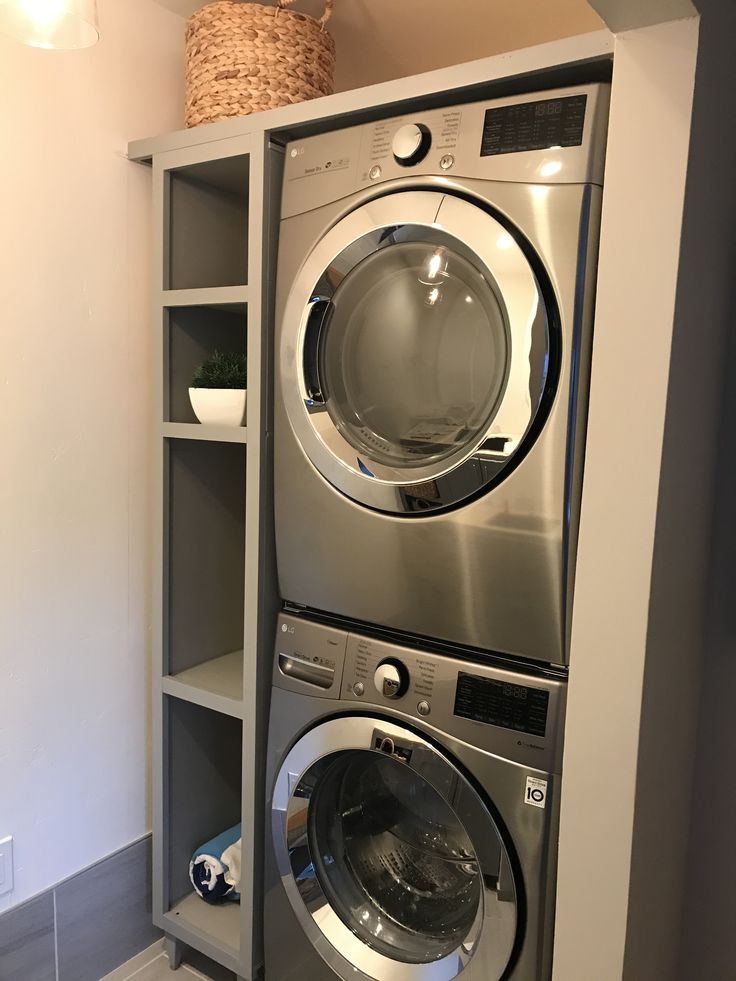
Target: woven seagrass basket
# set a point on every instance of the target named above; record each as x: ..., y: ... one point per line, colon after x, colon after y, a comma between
x: 246, y: 57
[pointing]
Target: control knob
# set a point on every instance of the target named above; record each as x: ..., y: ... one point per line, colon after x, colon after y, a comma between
x: 411, y: 144
x: 391, y: 678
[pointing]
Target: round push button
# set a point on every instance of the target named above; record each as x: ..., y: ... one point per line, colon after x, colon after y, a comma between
x: 358, y: 688
x: 447, y: 161
x: 423, y: 708
x: 375, y: 172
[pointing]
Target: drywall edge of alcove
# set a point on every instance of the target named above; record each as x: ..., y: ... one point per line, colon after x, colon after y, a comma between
x: 646, y: 172
x: 630, y: 15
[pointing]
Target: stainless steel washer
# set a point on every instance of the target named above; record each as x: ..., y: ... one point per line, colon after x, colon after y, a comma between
x: 413, y: 806
x: 434, y: 309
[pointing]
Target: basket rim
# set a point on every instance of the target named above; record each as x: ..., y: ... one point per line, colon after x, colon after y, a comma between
x: 254, y: 8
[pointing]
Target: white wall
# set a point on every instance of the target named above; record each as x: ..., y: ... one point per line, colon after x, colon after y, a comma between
x: 378, y: 40
x: 631, y: 714
x: 647, y: 859
x: 75, y: 436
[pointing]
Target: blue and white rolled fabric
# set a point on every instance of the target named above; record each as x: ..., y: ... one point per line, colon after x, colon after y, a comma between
x: 214, y: 870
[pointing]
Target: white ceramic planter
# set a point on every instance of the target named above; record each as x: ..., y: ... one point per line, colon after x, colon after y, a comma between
x: 219, y: 406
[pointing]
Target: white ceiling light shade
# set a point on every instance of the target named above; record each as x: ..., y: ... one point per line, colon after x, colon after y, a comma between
x: 63, y: 24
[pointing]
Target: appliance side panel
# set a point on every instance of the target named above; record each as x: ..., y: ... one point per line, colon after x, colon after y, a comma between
x: 590, y: 222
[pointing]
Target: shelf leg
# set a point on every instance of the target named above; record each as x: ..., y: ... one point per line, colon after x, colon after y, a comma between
x: 174, y: 951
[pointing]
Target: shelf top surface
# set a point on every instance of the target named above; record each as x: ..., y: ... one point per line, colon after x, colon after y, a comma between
x: 222, y: 676
x: 220, y: 923
x: 547, y: 63
x: 210, y: 296
x: 206, y: 433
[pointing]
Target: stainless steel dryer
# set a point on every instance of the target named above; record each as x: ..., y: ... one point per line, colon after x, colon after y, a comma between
x: 434, y: 312
x: 413, y: 806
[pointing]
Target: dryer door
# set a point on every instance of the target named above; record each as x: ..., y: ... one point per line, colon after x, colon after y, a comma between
x: 415, y: 352
x: 393, y: 864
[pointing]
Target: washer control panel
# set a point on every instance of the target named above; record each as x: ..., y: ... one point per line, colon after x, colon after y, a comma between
x: 309, y: 657
x: 520, y: 707
x: 380, y: 672
x: 515, y: 716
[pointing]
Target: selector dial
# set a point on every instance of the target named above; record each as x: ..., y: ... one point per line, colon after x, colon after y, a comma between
x: 391, y: 678
x: 411, y: 144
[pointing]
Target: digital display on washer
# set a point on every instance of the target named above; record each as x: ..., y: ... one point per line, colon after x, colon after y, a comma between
x: 534, y: 125
x: 498, y: 703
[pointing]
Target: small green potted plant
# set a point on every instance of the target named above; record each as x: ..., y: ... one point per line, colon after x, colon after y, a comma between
x: 218, y: 391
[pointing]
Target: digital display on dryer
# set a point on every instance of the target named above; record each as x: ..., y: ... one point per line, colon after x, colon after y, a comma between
x: 498, y: 703
x: 534, y: 126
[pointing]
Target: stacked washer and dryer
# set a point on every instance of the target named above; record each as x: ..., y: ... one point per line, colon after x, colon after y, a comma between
x: 433, y: 329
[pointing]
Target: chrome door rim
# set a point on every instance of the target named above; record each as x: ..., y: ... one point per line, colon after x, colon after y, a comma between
x: 511, y: 278
x: 330, y: 936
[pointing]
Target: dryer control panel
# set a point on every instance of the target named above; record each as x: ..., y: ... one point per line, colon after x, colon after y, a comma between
x: 513, y: 715
x: 554, y: 137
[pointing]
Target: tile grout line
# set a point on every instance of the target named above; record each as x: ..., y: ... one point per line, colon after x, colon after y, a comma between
x: 74, y: 875
x: 56, y: 939
x: 141, y: 969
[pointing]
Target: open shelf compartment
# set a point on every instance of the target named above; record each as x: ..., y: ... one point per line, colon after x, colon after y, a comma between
x: 191, y: 335
x: 203, y: 798
x: 208, y: 224
x: 216, y: 684
x: 205, y: 572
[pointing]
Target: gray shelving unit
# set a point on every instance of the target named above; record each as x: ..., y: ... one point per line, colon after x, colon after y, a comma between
x: 215, y: 213
x: 215, y: 583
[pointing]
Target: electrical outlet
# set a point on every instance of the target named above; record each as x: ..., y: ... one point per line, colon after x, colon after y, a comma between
x: 6, y: 865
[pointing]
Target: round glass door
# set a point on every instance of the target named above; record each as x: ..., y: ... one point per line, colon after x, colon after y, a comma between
x: 391, y: 861
x: 415, y: 352
x: 394, y: 860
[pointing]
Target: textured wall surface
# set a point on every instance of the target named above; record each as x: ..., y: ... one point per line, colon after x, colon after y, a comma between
x: 75, y: 430
x: 378, y: 40
x: 381, y: 39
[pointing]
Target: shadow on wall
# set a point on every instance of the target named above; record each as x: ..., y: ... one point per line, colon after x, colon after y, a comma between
x: 710, y: 900
x: 710, y: 903
x: 378, y: 40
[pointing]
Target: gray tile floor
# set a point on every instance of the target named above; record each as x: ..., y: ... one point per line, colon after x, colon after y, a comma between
x: 153, y: 965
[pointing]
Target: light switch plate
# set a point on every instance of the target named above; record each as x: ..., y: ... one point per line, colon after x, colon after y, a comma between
x: 6, y: 865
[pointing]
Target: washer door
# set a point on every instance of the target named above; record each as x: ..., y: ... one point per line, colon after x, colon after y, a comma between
x: 392, y: 863
x: 415, y: 352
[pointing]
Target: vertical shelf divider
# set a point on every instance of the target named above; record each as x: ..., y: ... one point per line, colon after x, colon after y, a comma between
x: 261, y: 590
x: 224, y: 182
